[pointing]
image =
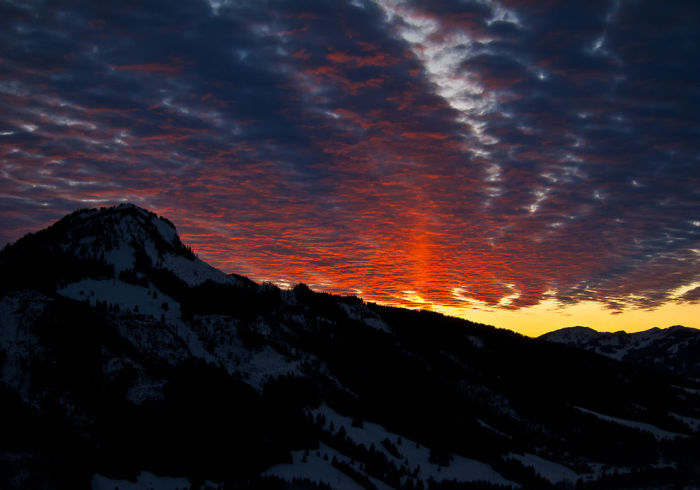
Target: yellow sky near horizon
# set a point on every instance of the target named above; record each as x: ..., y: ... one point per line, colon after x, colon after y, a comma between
x: 549, y: 315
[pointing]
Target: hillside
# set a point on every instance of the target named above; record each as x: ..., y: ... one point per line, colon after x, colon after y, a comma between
x: 125, y: 358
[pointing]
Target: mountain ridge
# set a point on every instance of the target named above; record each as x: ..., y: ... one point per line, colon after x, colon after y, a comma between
x: 675, y: 349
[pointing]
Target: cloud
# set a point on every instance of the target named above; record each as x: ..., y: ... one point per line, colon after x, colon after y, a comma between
x: 473, y: 154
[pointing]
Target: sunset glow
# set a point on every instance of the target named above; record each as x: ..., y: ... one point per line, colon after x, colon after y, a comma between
x: 531, y: 165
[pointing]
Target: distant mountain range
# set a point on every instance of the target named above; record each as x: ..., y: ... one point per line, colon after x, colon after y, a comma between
x: 675, y: 350
x: 127, y: 362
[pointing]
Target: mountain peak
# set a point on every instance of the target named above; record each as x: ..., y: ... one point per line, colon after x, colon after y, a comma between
x: 571, y: 335
x: 125, y: 237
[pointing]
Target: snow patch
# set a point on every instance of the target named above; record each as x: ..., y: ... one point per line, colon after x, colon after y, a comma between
x: 377, y: 324
x: 487, y: 426
x: 618, y: 354
x: 411, y: 454
x: 145, y: 390
x: 257, y: 366
x: 266, y: 364
x: 692, y: 391
x: 362, y: 314
x: 194, y: 272
x: 144, y: 481
x: 122, y: 258
x: 317, y: 468
x: 476, y: 342
x: 572, y: 335
x: 549, y: 470
x: 128, y: 296
x: 660, y: 434
x: 692, y: 422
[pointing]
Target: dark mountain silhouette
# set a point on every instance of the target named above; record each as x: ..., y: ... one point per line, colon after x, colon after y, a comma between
x: 674, y: 350
x: 123, y: 357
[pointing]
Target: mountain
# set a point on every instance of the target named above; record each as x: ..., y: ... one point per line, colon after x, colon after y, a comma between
x: 675, y: 349
x: 126, y: 362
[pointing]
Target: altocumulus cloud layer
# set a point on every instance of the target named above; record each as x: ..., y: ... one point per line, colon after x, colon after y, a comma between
x: 487, y: 154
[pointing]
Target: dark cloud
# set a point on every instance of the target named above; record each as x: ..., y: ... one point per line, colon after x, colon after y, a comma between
x: 457, y: 153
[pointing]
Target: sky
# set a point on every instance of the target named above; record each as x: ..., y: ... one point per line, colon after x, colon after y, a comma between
x: 529, y: 164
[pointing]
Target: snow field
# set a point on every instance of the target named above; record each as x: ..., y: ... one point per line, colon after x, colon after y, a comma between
x: 138, y: 299
x: 412, y: 455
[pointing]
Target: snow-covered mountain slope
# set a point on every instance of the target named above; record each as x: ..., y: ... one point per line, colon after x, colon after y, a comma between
x: 674, y: 349
x: 123, y: 355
